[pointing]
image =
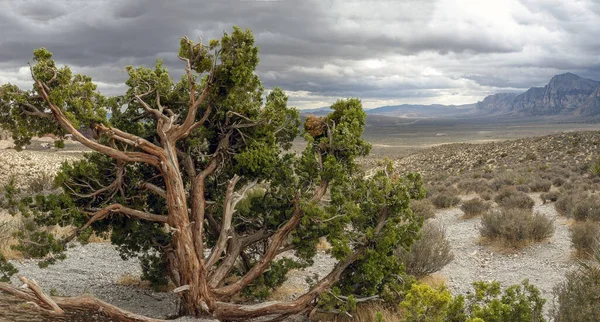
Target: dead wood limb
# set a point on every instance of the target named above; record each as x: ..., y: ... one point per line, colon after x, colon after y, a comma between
x: 65, y: 308
x: 42, y: 297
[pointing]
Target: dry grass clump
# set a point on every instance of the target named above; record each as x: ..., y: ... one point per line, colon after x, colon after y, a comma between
x: 585, y: 237
x: 515, y: 227
x: 423, y: 208
x: 445, y: 198
x: 474, y: 207
x: 509, y: 197
x: 428, y: 254
x: 133, y: 280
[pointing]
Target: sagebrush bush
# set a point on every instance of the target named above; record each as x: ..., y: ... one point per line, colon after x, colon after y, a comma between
x: 445, y: 198
x: 40, y: 183
x: 474, y: 207
x: 428, y: 254
x: 486, y: 195
x: 578, y: 297
x: 586, y: 208
x: 550, y: 196
x: 585, y: 236
x: 566, y: 201
x: 558, y: 182
x: 515, y: 227
x: 423, y: 208
x: 509, y: 197
x: 502, y: 181
x: 540, y: 185
x: 469, y: 185
x: 523, y: 188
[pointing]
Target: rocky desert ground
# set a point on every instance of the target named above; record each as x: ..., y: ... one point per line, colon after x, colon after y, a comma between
x: 97, y: 268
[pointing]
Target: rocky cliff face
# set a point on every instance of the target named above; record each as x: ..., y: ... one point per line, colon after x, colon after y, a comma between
x: 497, y: 103
x: 566, y: 94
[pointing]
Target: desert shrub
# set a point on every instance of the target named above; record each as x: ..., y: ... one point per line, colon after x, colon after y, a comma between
x: 6, y: 269
x: 486, y: 194
x: 474, y: 207
x: 584, y: 237
x: 428, y: 254
x: 509, y: 197
x: 468, y: 186
x: 558, y: 182
x: 515, y: 227
x: 523, y: 188
x: 5, y: 231
x: 587, y: 208
x: 594, y: 169
x: 423, y: 208
x: 42, y: 182
x: 550, y: 196
x: 517, y: 303
x: 424, y: 303
x: 577, y: 298
x: 540, y: 185
x: 501, y: 181
x: 445, y: 198
x: 566, y: 202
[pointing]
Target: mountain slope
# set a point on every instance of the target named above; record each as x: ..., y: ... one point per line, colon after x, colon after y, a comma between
x: 565, y: 94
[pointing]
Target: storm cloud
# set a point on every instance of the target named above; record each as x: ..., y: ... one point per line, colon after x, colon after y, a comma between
x: 382, y: 51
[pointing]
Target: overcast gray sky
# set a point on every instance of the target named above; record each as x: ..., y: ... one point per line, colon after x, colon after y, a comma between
x: 383, y: 51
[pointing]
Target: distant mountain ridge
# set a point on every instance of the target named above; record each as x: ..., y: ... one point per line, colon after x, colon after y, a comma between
x: 565, y: 94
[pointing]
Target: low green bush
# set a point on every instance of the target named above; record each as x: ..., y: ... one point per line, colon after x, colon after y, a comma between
x: 487, y: 303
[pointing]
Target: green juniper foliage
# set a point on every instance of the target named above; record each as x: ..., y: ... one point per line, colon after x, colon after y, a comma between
x: 240, y: 136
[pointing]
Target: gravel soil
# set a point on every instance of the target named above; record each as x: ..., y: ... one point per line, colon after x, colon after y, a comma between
x: 544, y: 264
x: 97, y: 268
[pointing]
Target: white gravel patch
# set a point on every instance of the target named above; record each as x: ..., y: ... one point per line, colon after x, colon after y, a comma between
x: 544, y: 264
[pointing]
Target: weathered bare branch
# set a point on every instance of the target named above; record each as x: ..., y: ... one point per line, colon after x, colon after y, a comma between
x: 231, y: 200
x: 272, y: 250
x: 154, y: 188
x: 111, y: 152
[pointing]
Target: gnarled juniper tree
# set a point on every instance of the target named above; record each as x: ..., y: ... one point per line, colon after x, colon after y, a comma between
x: 195, y: 177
